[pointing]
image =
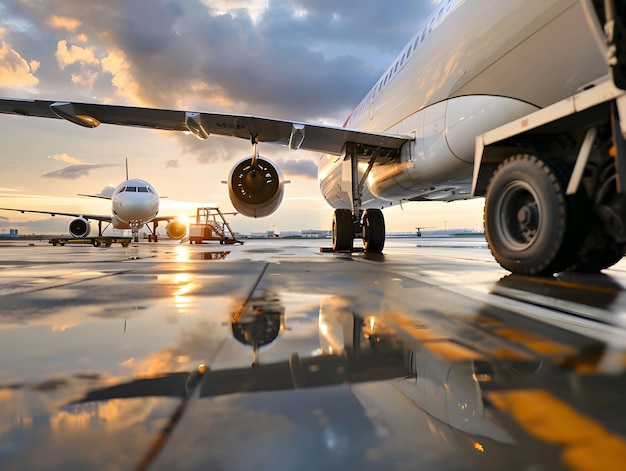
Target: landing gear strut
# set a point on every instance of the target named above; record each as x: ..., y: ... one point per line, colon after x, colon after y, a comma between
x: 349, y: 224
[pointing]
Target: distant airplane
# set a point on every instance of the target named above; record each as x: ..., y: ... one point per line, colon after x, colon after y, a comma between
x: 475, y: 65
x: 134, y: 203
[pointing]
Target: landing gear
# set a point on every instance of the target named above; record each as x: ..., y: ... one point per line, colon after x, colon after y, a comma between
x: 347, y: 224
x: 373, y: 230
x: 343, y: 230
x: 530, y: 224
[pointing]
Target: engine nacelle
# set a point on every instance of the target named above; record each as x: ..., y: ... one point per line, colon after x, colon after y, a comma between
x: 80, y: 227
x: 176, y: 230
x: 255, y: 191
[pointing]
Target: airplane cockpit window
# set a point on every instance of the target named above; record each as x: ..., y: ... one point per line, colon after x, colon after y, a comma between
x: 142, y: 189
x: 150, y: 190
x: 122, y: 190
x: 132, y: 189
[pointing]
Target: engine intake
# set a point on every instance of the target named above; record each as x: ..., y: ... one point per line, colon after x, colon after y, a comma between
x: 255, y: 191
x: 176, y: 230
x: 80, y: 227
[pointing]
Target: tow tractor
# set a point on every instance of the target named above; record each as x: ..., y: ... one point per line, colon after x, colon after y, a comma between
x: 211, y: 226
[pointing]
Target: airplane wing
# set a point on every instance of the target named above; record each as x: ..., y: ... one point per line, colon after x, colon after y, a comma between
x: 293, y: 134
x: 164, y: 218
x: 95, y: 217
x: 95, y: 196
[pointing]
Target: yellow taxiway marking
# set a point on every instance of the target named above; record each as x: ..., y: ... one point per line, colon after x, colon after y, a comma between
x: 586, y: 445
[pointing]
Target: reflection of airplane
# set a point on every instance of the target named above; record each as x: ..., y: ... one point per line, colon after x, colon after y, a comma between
x: 352, y: 350
x: 259, y: 322
x: 133, y: 204
x: 413, y: 137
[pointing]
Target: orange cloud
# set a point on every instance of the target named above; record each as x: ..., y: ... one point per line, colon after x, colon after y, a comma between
x: 14, y: 70
x: 125, y: 84
x: 70, y: 55
x: 63, y: 22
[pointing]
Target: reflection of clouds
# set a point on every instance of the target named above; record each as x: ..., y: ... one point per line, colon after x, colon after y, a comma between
x: 321, y: 428
x: 107, y: 435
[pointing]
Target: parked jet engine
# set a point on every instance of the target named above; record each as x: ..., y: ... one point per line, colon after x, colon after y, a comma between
x: 80, y: 227
x: 255, y: 189
x: 176, y: 230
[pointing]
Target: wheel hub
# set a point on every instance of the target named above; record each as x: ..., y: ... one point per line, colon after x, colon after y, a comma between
x: 519, y: 215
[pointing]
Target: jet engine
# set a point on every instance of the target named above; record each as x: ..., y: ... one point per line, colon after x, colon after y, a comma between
x: 80, y: 227
x: 255, y: 189
x: 176, y: 230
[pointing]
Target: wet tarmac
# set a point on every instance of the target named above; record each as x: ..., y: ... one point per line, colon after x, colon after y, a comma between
x: 273, y: 355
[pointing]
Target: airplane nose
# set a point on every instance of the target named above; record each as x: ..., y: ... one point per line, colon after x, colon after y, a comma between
x: 133, y: 208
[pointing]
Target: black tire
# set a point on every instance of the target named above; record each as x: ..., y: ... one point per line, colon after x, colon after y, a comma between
x: 343, y: 230
x: 96, y: 243
x: 599, y: 250
x: 373, y: 230
x: 530, y: 225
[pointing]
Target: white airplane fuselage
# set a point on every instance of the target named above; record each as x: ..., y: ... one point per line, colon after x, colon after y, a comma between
x: 471, y: 68
x: 133, y: 203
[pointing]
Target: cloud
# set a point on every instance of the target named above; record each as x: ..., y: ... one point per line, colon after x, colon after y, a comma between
x: 73, y: 172
x: 107, y: 191
x: 15, y: 71
x: 172, y: 164
x: 299, y: 168
x: 65, y: 158
x: 265, y: 57
x: 63, y: 22
x: 70, y: 55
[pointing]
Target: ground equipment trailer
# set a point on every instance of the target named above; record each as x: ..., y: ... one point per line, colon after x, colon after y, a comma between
x: 554, y: 181
x: 211, y: 226
x: 95, y: 241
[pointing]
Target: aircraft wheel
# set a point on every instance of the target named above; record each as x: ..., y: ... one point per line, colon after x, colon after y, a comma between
x: 373, y: 230
x: 343, y: 230
x: 96, y: 243
x: 527, y: 217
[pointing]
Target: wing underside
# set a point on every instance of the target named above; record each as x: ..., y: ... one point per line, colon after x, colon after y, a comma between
x: 295, y: 135
x: 95, y: 217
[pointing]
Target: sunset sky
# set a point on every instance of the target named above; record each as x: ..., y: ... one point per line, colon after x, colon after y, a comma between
x: 306, y: 60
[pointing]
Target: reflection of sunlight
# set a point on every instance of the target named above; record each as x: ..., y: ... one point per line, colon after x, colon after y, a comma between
x: 369, y: 327
x: 182, y: 253
x: 183, y: 287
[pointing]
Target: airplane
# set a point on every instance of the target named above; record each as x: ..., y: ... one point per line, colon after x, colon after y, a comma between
x: 134, y: 203
x: 473, y: 66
